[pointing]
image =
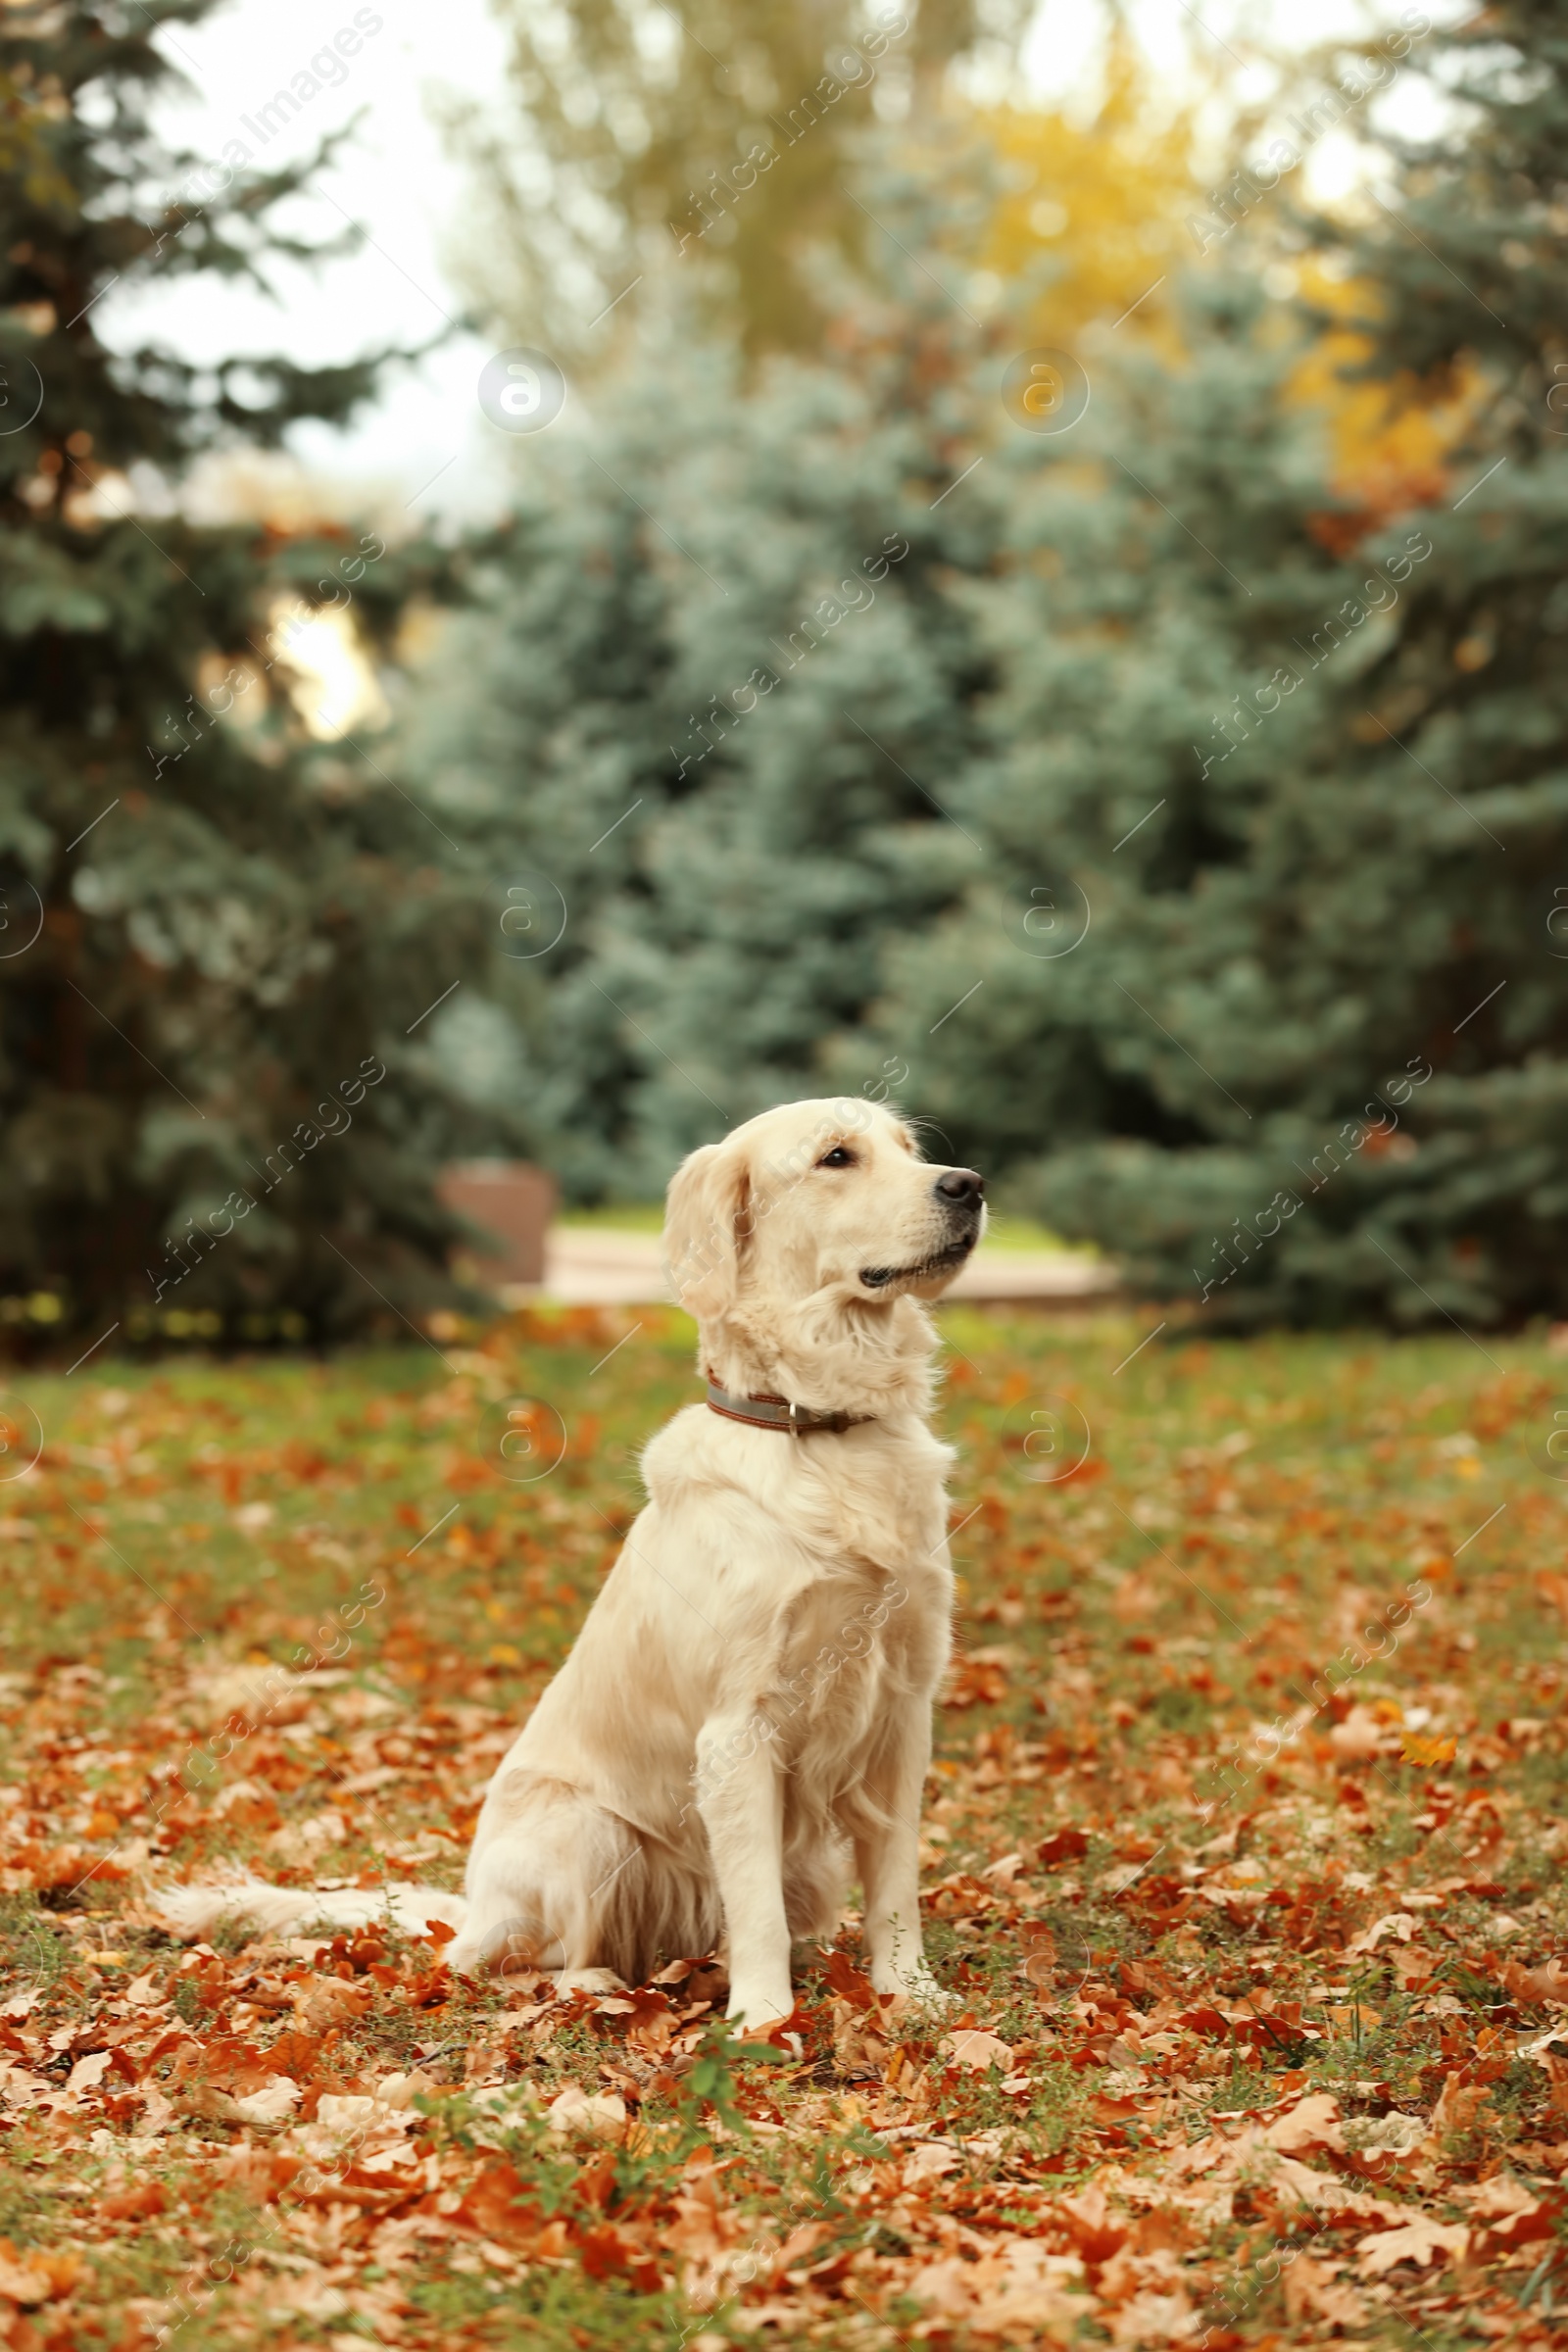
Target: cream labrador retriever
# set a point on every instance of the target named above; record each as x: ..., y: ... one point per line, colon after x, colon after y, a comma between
x: 749, y: 1702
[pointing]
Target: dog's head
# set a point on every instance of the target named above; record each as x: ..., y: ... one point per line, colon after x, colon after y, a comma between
x: 822, y: 1197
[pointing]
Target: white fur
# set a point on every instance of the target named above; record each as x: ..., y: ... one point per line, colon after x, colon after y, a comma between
x: 749, y: 1701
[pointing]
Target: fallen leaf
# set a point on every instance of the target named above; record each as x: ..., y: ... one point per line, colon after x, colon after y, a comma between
x: 1457, y: 2108
x: 38, y: 2278
x: 1390, y: 2135
x: 1311, y: 2293
x: 87, y: 2072
x: 972, y: 2048
x: 1359, y: 1737
x: 1313, y: 2123
x: 346, y: 2110
x: 1420, y: 2241
x: 1414, y: 1749
x: 25, y: 2282
x: 594, y: 2115
x: 278, y: 2097
x: 1392, y: 1923
x: 1547, y: 1983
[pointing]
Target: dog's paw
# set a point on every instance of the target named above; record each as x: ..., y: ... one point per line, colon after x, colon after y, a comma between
x: 589, y: 1980
x: 756, y: 2010
x: 919, y: 1989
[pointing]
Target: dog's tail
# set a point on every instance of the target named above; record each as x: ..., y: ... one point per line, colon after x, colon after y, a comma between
x: 193, y: 1912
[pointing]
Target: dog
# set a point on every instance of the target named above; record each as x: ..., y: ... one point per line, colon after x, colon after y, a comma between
x: 745, y: 1714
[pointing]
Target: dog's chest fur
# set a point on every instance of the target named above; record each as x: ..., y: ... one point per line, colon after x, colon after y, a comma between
x: 848, y: 1644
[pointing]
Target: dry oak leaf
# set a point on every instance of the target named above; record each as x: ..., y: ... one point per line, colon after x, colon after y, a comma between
x: 1457, y: 2108
x: 324, y: 2001
x: 31, y: 2278
x: 1393, y: 2134
x: 1358, y: 1737
x: 87, y: 2072
x: 1514, y: 2216
x: 1018, y: 2292
x: 400, y: 2090
x: 1412, y: 1966
x: 1311, y: 2293
x: 1396, y: 1923
x: 1088, y: 2220
x: 204, y: 2104
x: 709, y: 2238
x: 1547, y: 1983
x: 1133, y: 2272
x: 22, y: 2282
x: 1325, y: 2192
x: 589, y: 2115
x: 1494, y: 2199
x: 357, y: 2112
x: 971, y: 2047
x: 1419, y: 2240
x: 929, y: 2161
x: 276, y: 2099
x: 1313, y: 2123
x: 1153, y: 2318
x: 608, y: 2249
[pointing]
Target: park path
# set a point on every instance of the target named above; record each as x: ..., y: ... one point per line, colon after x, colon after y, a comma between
x: 599, y: 1266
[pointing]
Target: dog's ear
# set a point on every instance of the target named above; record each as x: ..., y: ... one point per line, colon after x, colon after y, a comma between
x: 707, y: 1222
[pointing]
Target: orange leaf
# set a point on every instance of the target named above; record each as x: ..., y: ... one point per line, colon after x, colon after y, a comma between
x: 1413, y: 1749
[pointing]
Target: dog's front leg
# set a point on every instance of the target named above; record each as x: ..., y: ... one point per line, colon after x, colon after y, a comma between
x: 740, y: 1796
x: 887, y: 1856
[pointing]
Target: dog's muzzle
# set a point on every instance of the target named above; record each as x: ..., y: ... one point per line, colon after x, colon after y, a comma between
x: 961, y: 1195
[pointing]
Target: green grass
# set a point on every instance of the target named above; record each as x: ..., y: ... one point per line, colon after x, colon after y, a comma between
x: 1242, y: 1510
x: 615, y: 1216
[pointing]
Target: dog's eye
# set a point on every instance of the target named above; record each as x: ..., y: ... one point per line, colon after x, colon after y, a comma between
x: 838, y: 1158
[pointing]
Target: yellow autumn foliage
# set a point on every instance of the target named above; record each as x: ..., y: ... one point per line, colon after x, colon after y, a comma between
x: 1096, y: 206
x: 1391, y: 440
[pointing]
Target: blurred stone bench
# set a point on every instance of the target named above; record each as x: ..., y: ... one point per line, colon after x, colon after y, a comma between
x: 511, y: 1202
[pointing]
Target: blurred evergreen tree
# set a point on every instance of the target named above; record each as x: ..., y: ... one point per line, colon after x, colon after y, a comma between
x: 1190, y: 813
x: 710, y: 700
x: 215, y: 928
x: 1303, y: 741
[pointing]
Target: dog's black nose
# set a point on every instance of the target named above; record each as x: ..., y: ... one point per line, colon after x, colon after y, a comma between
x: 962, y: 1185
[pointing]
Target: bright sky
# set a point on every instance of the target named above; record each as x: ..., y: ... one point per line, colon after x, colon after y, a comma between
x: 427, y: 441
x: 395, y: 178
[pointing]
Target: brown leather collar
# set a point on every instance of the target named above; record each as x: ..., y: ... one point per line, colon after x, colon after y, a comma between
x: 777, y: 1412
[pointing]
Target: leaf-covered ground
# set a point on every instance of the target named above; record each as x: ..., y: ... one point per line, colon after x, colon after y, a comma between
x: 1243, y: 1858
